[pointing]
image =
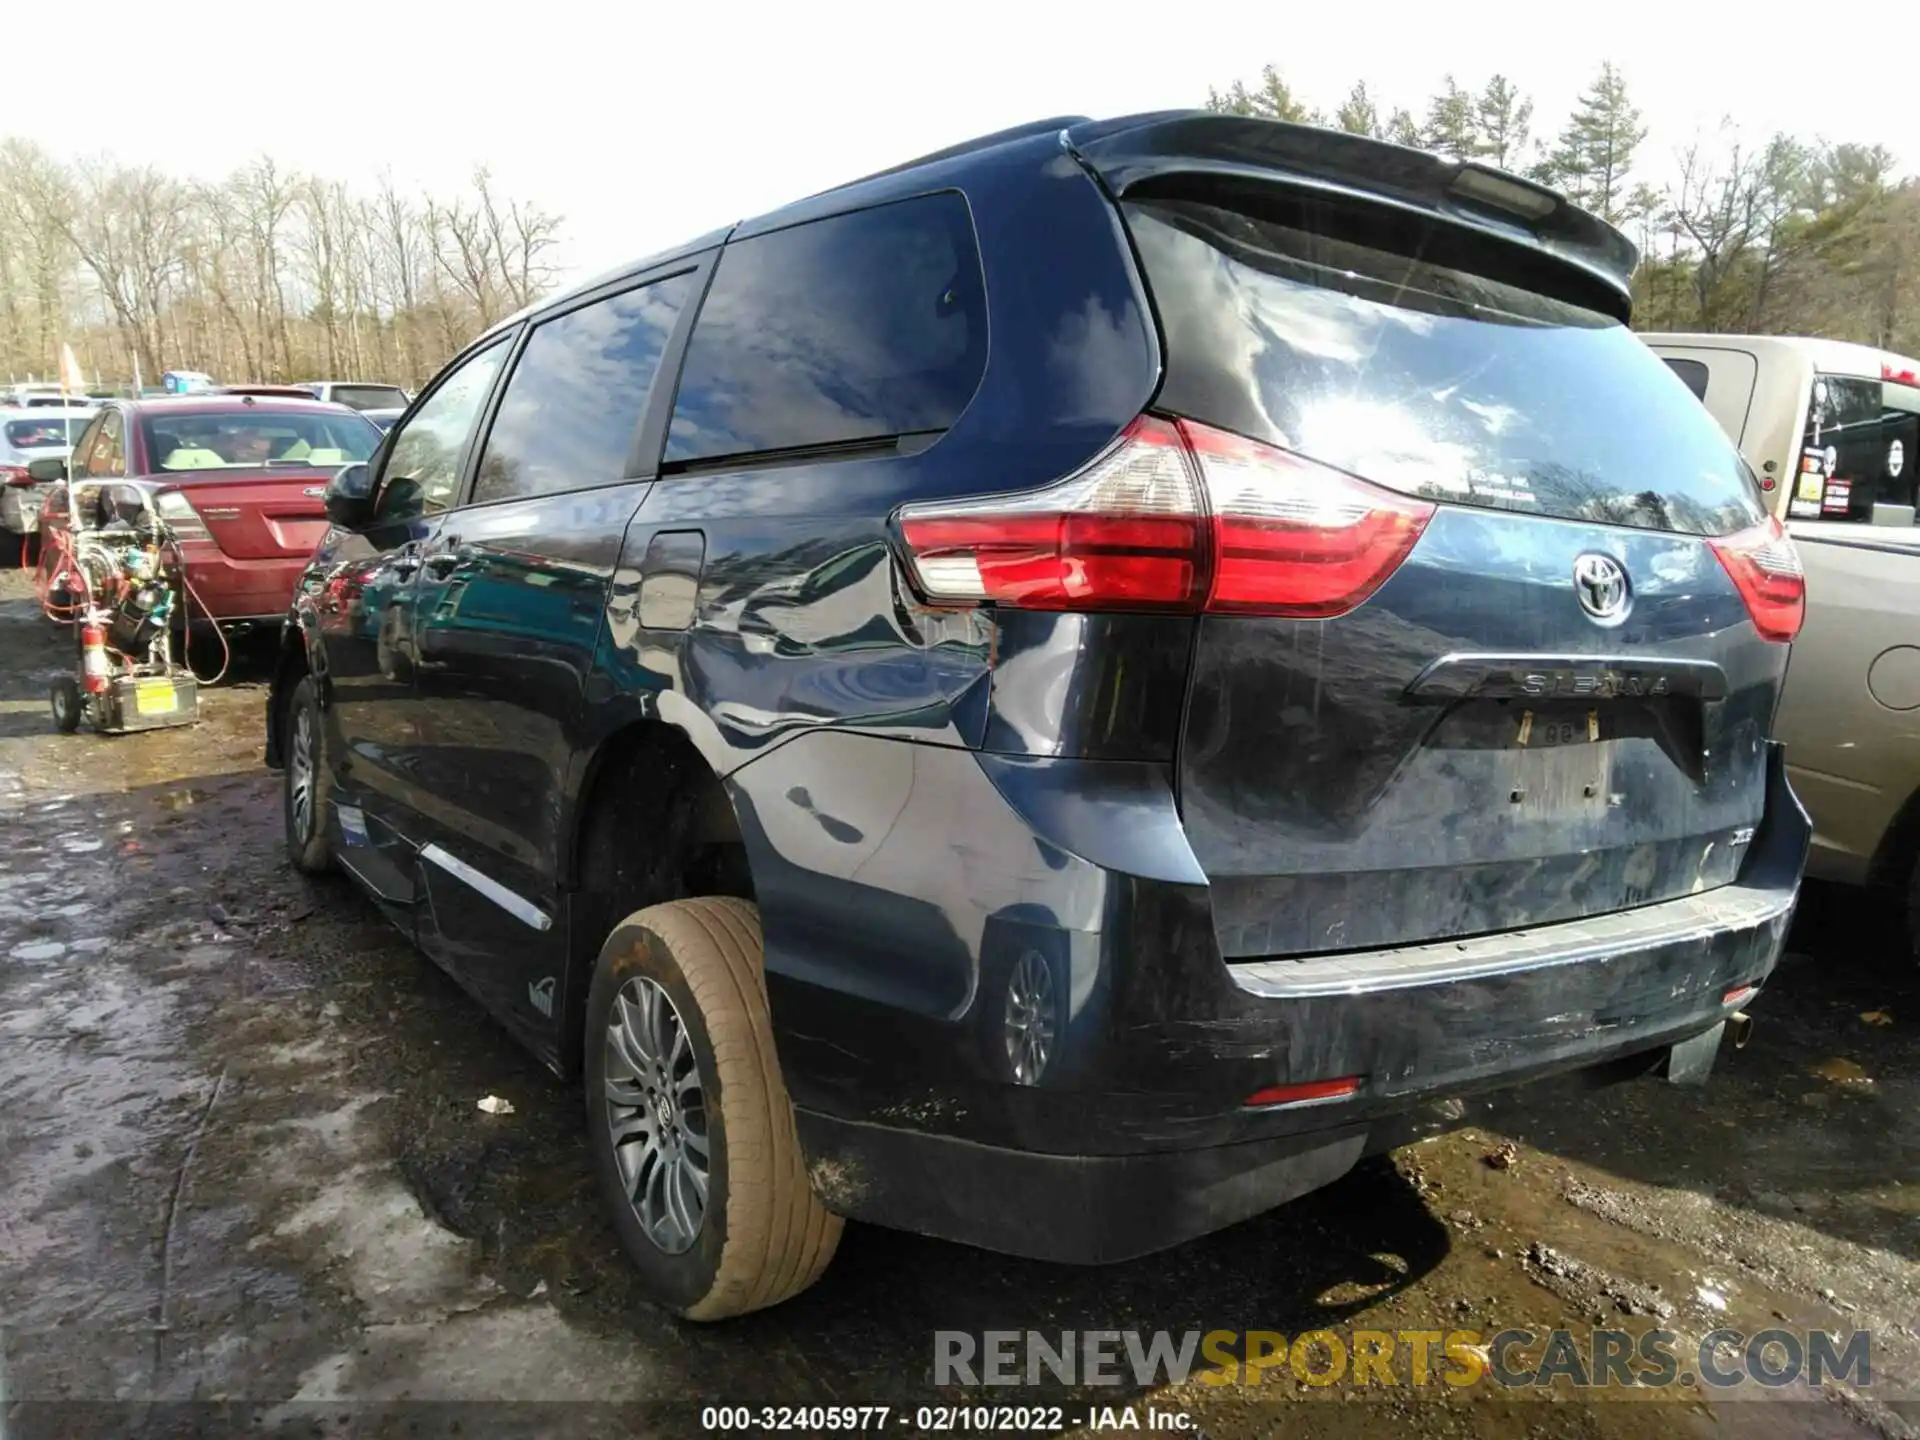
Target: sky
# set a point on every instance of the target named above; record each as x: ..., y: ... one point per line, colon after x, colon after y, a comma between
x: 643, y: 126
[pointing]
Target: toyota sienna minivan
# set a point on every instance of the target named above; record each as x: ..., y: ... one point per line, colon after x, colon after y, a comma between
x: 1058, y: 695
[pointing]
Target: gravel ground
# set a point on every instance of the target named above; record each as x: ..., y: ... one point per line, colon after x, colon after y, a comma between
x: 245, y: 1183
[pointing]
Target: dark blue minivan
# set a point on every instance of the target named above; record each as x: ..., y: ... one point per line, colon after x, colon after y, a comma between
x: 1059, y: 695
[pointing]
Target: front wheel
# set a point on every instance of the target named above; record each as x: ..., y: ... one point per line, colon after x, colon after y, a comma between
x: 688, y: 1120
x: 68, y: 707
x: 307, y: 783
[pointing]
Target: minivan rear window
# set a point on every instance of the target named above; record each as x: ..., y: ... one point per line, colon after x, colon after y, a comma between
x: 1402, y: 366
x: 856, y: 328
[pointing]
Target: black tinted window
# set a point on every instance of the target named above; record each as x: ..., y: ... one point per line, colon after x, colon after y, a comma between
x: 573, y: 403
x: 370, y: 397
x: 1692, y: 374
x: 1404, y: 368
x: 852, y: 328
x: 1858, y: 450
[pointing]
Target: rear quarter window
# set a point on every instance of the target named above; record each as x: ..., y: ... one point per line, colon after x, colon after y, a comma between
x: 854, y: 328
x: 1692, y: 374
x: 1409, y: 368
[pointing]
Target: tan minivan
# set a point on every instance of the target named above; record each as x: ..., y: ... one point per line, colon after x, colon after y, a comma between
x: 1833, y: 432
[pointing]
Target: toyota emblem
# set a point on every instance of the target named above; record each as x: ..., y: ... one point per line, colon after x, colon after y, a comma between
x: 1602, y: 587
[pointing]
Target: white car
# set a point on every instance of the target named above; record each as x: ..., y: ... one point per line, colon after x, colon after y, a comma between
x: 38, y: 394
x: 30, y: 433
x: 358, y: 394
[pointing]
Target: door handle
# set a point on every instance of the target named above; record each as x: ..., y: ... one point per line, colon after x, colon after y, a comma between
x: 443, y: 563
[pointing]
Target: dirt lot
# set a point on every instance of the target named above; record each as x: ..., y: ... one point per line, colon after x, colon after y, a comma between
x: 244, y: 1181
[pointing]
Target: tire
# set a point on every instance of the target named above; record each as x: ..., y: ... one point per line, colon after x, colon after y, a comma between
x: 762, y: 1236
x: 309, y: 766
x: 68, y: 706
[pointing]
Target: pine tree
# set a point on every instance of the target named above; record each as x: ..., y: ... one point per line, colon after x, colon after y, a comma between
x: 1401, y: 130
x: 1358, y: 115
x: 1593, y: 158
x: 1451, y: 123
x: 1272, y: 99
x: 1502, y: 118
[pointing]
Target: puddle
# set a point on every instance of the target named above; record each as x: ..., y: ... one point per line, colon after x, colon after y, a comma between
x: 401, y: 1265
x: 1843, y: 1072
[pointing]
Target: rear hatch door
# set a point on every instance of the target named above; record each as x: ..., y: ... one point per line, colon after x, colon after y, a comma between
x: 1555, y: 705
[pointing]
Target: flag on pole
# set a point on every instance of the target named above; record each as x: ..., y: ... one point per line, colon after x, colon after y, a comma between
x: 73, y: 380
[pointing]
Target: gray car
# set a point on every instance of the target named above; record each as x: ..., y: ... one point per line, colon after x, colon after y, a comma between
x: 1832, y: 430
x: 28, y: 434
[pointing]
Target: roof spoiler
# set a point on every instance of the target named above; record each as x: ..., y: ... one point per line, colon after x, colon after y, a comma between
x: 1125, y: 152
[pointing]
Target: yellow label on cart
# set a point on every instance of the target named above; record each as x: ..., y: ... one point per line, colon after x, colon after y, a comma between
x: 155, y: 697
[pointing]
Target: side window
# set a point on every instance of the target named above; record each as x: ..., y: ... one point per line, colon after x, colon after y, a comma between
x: 77, y: 461
x: 1855, y: 452
x: 108, y: 456
x: 857, y: 327
x: 422, y: 470
x: 1693, y: 374
x: 573, y: 403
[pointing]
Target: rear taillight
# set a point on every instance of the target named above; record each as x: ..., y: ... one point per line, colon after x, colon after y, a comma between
x: 1765, y: 568
x: 1125, y: 533
x: 15, y: 475
x: 1292, y: 537
x: 1173, y: 516
x: 181, y: 517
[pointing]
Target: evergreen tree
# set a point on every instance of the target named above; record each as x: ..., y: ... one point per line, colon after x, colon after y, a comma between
x: 1451, y: 127
x: 1358, y: 115
x: 1592, y: 161
x: 1401, y: 130
x: 1502, y: 118
x: 1272, y: 99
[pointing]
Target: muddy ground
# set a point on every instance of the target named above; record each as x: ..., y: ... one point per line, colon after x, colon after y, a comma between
x: 244, y: 1181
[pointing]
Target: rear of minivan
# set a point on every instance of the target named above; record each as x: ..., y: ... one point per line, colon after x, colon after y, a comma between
x: 1483, y: 624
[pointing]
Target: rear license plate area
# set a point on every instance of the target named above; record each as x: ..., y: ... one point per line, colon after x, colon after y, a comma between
x: 1545, y: 760
x: 1561, y: 778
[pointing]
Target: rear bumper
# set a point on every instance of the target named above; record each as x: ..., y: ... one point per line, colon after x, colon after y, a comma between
x: 235, y: 590
x: 1135, y: 1135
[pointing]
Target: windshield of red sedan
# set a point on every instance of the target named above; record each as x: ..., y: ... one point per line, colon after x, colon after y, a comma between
x: 257, y: 438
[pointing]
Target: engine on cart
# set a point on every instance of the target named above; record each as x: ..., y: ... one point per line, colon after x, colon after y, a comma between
x: 130, y: 594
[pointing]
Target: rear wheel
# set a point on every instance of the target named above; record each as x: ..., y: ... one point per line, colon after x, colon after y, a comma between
x: 688, y: 1119
x: 68, y: 707
x: 307, y: 783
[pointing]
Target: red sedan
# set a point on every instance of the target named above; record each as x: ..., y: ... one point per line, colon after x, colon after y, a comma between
x: 240, y: 480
